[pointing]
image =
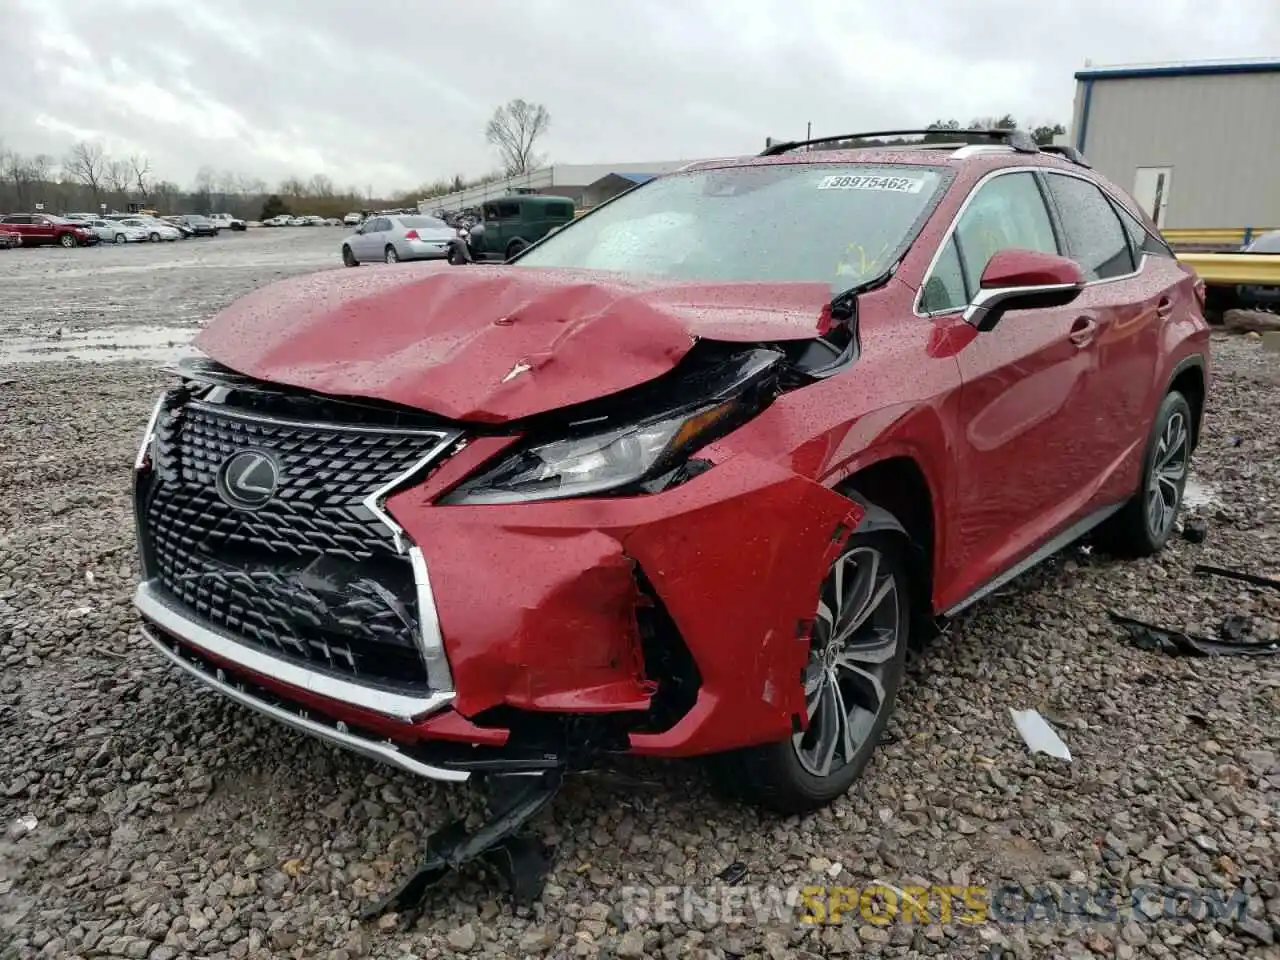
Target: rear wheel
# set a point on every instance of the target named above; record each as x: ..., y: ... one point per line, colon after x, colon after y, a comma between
x: 67, y: 240
x: 515, y: 247
x: 1142, y: 527
x: 456, y: 256
x: 349, y: 258
x: 856, y: 662
x: 153, y: 237
x: 390, y: 255
x: 121, y: 238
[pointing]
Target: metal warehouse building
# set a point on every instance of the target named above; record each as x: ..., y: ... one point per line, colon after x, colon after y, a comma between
x: 1198, y: 144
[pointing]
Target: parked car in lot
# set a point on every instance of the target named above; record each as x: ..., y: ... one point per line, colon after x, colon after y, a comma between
x: 281, y: 220
x: 156, y: 230
x: 116, y: 231
x: 1254, y: 296
x: 299, y: 222
x: 178, y: 224
x: 200, y: 226
x: 511, y: 224
x: 225, y: 221
x: 353, y: 219
x: 392, y: 239
x: 660, y: 487
x: 9, y: 239
x: 42, y: 229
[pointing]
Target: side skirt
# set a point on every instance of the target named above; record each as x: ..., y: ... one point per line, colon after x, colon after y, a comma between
x: 1043, y: 552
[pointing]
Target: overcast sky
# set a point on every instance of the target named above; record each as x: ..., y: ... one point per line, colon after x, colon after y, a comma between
x: 394, y: 93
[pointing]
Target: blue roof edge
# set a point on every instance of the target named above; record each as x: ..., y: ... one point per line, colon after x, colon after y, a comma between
x: 1179, y: 70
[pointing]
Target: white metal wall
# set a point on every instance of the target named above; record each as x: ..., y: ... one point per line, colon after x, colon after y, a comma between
x: 1220, y: 133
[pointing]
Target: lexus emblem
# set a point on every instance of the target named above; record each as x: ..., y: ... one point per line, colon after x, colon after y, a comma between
x: 248, y: 479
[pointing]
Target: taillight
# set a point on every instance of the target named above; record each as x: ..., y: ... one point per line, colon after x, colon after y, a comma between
x: 411, y: 235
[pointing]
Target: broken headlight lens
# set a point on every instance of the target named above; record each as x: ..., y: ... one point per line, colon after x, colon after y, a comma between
x: 598, y: 462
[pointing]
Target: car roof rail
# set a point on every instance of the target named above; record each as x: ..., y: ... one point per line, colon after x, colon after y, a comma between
x: 1067, y: 153
x: 1019, y: 140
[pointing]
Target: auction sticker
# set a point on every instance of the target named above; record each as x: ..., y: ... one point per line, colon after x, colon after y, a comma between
x: 850, y: 182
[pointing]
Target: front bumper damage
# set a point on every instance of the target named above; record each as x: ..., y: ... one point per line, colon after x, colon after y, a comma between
x: 672, y: 624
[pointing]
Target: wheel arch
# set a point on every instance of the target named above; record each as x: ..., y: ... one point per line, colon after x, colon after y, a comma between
x: 896, y: 494
x: 1188, y: 378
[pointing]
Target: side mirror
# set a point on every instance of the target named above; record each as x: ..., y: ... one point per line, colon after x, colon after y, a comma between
x: 1022, y: 280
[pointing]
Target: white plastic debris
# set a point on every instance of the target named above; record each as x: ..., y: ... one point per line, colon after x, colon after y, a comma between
x: 21, y: 827
x: 1039, y: 736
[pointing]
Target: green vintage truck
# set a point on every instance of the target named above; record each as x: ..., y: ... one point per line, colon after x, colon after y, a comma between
x: 509, y: 225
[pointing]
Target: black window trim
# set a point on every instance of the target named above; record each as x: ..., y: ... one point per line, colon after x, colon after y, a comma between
x: 982, y: 181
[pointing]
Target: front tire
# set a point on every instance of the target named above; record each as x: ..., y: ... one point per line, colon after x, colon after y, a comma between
x: 857, y: 659
x: 349, y: 258
x: 1143, y: 525
x: 154, y: 237
x: 67, y: 240
x: 121, y: 238
x: 515, y: 248
x: 390, y: 255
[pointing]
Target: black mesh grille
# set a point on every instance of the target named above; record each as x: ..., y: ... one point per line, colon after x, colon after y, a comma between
x: 312, y: 574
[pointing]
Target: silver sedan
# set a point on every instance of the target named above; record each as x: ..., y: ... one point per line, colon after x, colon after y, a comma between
x: 395, y: 238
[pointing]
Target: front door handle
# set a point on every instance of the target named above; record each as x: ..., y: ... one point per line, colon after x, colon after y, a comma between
x: 1083, y: 331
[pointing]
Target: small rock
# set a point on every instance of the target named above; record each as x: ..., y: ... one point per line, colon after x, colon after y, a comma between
x: 464, y: 938
x: 537, y: 940
x: 1260, y: 930
x: 631, y: 946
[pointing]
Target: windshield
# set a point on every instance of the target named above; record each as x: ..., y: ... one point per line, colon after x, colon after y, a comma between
x: 836, y: 224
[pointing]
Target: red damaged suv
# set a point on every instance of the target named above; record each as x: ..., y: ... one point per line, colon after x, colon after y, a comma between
x: 682, y: 478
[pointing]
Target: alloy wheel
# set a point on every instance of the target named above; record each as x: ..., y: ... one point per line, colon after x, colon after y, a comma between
x: 1168, y: 474
x: 856, y: 635
x: 392, y: 256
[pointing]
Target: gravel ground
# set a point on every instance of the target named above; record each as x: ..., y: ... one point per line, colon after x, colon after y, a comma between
x: 170, y: 823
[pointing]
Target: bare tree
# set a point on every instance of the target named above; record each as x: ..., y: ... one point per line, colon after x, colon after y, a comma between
x: 514, y: 130
x: 118, y: 177
x: 141, y: 167
x: 87, y: 164
x: 321, y: 186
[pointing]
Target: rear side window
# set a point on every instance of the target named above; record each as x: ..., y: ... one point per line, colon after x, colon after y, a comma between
x: 508, y: 211
x: 1007, y: 212
x: 1095, y: 237
x: 559, y: 210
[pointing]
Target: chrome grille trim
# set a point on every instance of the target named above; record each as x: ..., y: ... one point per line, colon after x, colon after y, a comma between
x: 151, y: 604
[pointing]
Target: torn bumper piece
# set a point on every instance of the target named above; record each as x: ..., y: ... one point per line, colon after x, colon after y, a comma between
x: 538, y: 603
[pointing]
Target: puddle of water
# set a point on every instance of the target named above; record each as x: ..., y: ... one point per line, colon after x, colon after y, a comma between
x: 1198, y: 494
x: 125, y: 343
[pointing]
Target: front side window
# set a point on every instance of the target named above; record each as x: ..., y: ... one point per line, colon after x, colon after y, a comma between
x: 1007, y: 212
x: 508, y: 211
x: 838, y: 224
x: 1095, y: 237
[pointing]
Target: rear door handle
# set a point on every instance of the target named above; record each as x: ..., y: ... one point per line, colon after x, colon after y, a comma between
x: 1083, y: 331
x: 1164, y: 309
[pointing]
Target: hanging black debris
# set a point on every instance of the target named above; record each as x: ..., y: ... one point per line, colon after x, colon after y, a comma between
x: 1233, y: 643
x: 1253, y: 578
x: 518, y: 858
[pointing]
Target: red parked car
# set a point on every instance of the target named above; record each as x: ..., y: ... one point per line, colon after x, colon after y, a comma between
x: 42, y: 229
x: 684, y: 477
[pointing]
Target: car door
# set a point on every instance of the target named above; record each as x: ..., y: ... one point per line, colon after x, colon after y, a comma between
x: 42, y: 230
x: 1128, y: 295
x: 1023, y: 457
x: 375, y: 238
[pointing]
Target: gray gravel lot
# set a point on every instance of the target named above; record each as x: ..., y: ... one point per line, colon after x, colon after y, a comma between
x: 170, y: 823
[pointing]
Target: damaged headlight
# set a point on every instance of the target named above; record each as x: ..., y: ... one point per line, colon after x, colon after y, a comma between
x: 605, y: 461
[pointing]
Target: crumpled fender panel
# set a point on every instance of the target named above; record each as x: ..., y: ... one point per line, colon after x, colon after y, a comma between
x: 541, y: 615
x: 493, y: 344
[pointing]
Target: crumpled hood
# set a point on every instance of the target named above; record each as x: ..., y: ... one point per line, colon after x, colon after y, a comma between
x: 492, y: 344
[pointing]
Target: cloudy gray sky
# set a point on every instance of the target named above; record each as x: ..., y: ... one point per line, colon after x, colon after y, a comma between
x: 394, y: 93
